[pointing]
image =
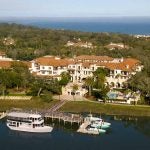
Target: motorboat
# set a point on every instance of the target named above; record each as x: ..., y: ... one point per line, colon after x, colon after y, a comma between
x: 94, y: 129
x: 100, y: 124
x: 97, y: 121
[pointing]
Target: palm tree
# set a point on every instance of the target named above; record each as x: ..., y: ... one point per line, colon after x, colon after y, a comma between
x: 74, y: 89
x: 89, y: 81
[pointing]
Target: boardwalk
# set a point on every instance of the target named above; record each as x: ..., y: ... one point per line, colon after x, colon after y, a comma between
x: 53, y: 113
x: 56, y: 106
x: 66, y: 117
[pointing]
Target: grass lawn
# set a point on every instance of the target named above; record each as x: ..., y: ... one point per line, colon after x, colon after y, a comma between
x: 108, y: 109
x: 25, y: 104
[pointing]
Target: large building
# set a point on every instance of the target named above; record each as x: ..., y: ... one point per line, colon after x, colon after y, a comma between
x: 81, y: 67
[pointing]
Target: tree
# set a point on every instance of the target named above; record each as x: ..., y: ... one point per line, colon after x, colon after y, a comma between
x: 22, y: 70
x: 74, y: 89
x: 4, y: 79
x: 89, y: 81
x: 99, y: 84
x: 65, y: 78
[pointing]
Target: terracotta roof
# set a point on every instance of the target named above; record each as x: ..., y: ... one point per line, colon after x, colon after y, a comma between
x: 2, y: 53
x: 52, y: 61
x: 128, y: 64
x: 5, y: 64
x: 92, y: 57
x: 86, y: 64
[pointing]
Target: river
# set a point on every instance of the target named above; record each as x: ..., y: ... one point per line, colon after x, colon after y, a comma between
x: 126, y: 133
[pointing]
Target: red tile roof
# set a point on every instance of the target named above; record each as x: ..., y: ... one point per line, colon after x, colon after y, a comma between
x: 5, y: 64
x: 2, y: 53
x: 128, y: 64
x: 52, y: 61
x: 93, y: 57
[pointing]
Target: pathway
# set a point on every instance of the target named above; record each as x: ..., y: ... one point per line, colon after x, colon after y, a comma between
x: 56, y: 106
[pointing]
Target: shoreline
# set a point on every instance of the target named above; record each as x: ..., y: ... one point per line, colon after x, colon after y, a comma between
x: 80, y: 107
x: 106, y: 109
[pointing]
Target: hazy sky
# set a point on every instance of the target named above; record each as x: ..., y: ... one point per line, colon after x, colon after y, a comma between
x: 74, y: 8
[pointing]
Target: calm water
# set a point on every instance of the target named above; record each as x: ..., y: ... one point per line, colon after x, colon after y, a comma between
x: 124, y: 135
x: 129, y: 25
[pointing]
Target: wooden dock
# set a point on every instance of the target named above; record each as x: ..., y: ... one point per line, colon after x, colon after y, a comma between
x: 82, y: 129
x: 66, y: 117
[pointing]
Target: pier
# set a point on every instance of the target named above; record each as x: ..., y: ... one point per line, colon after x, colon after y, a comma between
x: 65, y: 117
x: 53, y: 113
x: 83, y: 129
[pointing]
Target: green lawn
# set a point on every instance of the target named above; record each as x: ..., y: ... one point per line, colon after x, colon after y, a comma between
x: 25, y: 104
x: 108, y: 109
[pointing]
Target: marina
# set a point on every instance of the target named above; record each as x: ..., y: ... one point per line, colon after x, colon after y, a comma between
x: 62, y: 138
x: 30, y: 121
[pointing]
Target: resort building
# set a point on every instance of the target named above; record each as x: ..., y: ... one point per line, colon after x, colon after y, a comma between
x: 113, y: 46
x: 79, y: 43
x: 49, y: 66
x: 81, y: 67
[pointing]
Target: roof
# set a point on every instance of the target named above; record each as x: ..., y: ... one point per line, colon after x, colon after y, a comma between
x: 2, y: 53
x: 117, y: 45
x: 23, y: 115
x: 5, y: 64
x: 93, y: 57
x: 128, y: 64
x: 52, y: 61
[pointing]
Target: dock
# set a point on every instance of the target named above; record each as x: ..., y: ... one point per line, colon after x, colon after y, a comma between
x: 65, y: 117
x: 83, y: 126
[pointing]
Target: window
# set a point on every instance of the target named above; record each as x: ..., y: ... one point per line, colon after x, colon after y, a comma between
x: 42, y: 72
x: 49, y: 72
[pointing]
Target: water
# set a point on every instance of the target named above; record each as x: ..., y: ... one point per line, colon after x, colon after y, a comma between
x: 133, y: 134
x: 129, y: 25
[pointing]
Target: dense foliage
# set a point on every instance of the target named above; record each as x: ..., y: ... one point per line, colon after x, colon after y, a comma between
x: 31, y: 42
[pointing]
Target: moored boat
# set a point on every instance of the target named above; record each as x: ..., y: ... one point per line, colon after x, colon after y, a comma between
x: 27, y: 122
x: 100, y: 125
x: 96, y: 121
x: 94, y: 129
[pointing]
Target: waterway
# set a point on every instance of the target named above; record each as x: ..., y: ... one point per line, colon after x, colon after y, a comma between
x: 126, y: 133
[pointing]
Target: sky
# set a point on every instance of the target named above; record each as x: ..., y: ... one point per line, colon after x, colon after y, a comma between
x: 74, y: 8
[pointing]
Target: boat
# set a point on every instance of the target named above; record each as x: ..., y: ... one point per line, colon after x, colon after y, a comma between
x: 27, y: 122
x: 97, y: 120
x: 94, y: 129
x: 100, y: 124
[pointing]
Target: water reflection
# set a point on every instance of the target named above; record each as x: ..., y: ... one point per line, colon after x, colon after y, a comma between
x: 141, y: 124
x: 125, y: 133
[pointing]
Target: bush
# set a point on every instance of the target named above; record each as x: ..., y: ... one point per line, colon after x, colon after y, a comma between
x: 46, y: 96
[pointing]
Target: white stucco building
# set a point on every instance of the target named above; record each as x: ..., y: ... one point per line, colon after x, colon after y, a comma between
x: 81, y: 67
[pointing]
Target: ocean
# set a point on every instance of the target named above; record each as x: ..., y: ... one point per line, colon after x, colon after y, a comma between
x: 127, y: 25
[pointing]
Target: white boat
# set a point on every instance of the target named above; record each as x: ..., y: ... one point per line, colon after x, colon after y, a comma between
x: 94, y: 129
x: 27, y: 122
x: 100, y: 124
x: 96, y: 120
